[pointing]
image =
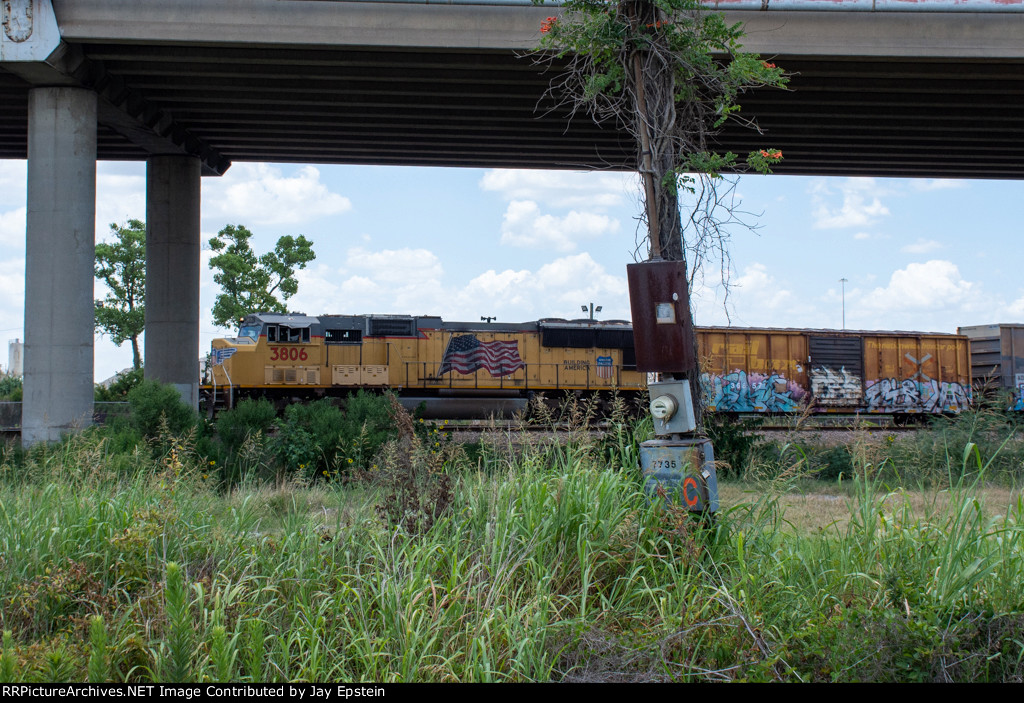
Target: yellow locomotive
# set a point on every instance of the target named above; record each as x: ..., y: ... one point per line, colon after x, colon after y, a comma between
x: 295, y: 356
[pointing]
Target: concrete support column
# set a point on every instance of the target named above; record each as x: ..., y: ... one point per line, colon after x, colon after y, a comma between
x: 172, y: 273
x: 59, y: 259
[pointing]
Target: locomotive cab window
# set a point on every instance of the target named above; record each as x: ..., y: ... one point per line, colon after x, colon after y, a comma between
x: 283, y: 333
x: 294, y: 335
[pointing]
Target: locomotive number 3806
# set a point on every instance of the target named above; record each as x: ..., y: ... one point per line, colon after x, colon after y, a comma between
x: 288, y: 354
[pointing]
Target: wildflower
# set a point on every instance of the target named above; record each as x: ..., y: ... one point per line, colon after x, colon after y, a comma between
x: 212, y: 463
x: 768, y: 65
x: 350, y: 461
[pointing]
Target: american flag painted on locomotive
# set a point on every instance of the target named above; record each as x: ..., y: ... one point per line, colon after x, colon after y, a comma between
x: 465, y: 353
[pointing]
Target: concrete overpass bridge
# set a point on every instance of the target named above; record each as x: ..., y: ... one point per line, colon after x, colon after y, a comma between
x: 883, y: 87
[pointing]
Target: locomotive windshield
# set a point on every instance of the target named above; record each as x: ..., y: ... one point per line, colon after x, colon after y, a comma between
x: 249, y: 331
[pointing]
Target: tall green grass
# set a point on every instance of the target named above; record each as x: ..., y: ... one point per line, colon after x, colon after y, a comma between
x: 549, y: 564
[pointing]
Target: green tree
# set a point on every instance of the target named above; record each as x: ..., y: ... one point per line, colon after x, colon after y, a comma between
x: 249, y: 283
x: 121, y: 265
x: 670, y: 73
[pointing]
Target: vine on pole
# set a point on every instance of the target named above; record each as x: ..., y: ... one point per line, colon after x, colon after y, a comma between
x: 671, y: 73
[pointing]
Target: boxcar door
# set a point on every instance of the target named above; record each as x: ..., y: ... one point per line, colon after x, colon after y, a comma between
x: 836, y: 371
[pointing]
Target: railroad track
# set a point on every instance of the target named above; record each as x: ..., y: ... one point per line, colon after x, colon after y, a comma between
x: 851, y: 424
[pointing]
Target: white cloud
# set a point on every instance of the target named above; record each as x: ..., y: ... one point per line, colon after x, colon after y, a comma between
x: 12, y: 230
x: 860, y: 205
x: 563, y: 189
x: 935, y: 287
x: 411, y: 281
x: 921, y: 246
x: 119, y: 197
x: 394, y: 281
x: 862, y: 236
x: 404, y: 266
x: 1016, y: 308
x: 13, y: 183
x: 260, y: 194
x: 525, y: 226
x: 754, y: 298
x: 557, y: 289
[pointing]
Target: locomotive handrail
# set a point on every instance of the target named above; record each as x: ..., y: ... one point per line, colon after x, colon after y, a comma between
x: 530, y: 379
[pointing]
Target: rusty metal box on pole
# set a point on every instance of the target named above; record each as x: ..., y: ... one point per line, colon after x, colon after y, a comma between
x: 660, y: 304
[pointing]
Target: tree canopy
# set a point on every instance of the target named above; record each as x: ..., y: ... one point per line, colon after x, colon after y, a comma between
x: 670, y: 72
x: 251, y: 283
x: 121, y: 265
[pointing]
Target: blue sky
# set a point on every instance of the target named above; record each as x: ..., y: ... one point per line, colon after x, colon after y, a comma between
x: 520, y: 245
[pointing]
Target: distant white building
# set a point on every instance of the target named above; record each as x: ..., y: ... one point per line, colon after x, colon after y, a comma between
x: 15, y: 353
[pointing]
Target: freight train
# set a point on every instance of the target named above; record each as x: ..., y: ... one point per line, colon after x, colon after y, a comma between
x: 286, y: 357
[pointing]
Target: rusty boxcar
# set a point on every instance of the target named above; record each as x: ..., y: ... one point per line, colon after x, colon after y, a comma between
x: 997, y: 359
x: 784, y: 370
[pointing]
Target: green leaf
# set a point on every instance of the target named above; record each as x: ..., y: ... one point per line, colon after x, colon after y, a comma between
x: 251, y: 284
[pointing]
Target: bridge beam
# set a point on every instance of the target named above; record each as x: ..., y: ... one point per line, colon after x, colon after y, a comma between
x: 172, y: 273
x: 59, y: 258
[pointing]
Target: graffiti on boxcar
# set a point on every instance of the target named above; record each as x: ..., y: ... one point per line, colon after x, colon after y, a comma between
x: 753, y: 393
x: 918, y: 393
x: 1019, y: 405
x: 890, y: 394
x: 827, y: 384
x: 909, y: 395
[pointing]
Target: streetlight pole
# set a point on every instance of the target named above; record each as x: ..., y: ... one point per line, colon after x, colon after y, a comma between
x: 592, y: 310
x: 844, y: 281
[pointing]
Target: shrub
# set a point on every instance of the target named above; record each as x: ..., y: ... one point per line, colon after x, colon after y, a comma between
x: 10, y: 388
x: 833, y: 464
x: 733, y: 441
x: 123, y: 383
x: 243, y: 446
x: 246, y: 419
x: 150, y: 401
x: 415, y: 489
x: 367, y: 425
x: 308, y: 438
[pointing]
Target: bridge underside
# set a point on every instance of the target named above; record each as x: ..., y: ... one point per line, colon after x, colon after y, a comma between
x: 191, y: 87
x: 879, y: 116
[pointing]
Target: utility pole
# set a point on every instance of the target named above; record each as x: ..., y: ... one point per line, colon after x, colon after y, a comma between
x: 844, y: 281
